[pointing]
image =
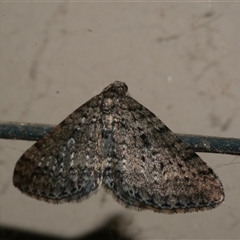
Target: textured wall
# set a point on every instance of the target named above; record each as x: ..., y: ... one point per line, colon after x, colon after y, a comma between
x: 181, y: 60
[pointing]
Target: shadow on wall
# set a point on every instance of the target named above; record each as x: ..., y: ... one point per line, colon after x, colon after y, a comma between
x: 115, y: 228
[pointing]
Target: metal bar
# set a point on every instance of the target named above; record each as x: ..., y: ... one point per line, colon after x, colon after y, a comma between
x: 199, y: 143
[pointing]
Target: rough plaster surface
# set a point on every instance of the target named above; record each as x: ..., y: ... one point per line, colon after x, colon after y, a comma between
x: 181, y: 60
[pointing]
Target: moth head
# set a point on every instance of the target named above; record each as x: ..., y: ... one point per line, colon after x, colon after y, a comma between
x: 113, y: 94
x: 116, y: 89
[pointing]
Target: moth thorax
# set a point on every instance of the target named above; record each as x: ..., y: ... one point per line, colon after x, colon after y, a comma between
x: 109, y: 104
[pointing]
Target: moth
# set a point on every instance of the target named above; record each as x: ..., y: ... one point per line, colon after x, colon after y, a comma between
x: 114, y: 141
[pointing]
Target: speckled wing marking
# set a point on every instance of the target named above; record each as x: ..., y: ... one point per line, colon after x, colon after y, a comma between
x: 65, y: 165
x: 115, y: 141
x: 150, y: 168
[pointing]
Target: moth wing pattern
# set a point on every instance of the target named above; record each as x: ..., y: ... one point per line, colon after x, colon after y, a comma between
x: 115, y: 141
x: 64, y: 165
x: 153, y: 169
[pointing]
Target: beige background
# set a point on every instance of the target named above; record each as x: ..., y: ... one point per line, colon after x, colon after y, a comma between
x: 181, y: 60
